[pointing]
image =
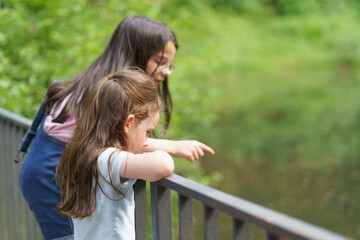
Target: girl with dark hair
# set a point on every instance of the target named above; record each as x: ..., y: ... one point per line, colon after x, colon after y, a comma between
x: 136, y: 42
x: 100, y: 164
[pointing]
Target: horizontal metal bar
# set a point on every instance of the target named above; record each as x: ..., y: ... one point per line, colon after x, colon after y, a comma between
x: 271, y: 221
x: 14, y: 118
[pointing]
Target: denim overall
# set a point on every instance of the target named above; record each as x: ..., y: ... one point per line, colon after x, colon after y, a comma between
x: 38, y: 186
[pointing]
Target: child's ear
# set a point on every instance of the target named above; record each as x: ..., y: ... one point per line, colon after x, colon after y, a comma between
x: 129, y: 120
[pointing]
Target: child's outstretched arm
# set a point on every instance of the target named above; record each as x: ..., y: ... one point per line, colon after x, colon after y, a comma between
x: 188, y: 149
x: 150, y: 166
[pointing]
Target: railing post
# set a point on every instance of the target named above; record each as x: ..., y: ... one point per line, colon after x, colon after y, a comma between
x: 270, y: 236
x: 161, y: 219
x: 186, y: 227
x: 240, y: 230
x: 211, y: 223
x: 140, y: 210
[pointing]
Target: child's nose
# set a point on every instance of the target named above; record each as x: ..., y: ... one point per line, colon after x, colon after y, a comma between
x: 165, y: 72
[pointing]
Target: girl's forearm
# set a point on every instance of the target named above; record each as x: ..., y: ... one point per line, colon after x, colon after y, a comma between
x: 150, y: 166
x: 160, y: 144
x: 187, y: 149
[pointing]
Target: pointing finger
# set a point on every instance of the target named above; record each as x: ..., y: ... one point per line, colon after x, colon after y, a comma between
x: 207, y: 149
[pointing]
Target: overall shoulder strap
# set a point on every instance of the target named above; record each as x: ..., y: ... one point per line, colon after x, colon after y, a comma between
x: 30, y: 134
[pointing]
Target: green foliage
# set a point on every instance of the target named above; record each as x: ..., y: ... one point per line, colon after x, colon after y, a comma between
x: 260, y: 81
x: 288, y: 88
x: 241, y: 6
x: 282, y: 7
x: 266, y: 81
x: 42, y: 41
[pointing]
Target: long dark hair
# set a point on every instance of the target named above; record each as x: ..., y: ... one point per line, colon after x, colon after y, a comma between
x: 101, y: 125
x: 132, y: 44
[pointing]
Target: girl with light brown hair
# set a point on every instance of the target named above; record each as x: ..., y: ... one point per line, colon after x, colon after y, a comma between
x: 104, y: 157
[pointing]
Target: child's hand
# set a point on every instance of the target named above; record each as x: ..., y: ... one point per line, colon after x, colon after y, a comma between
x: 190, y: 149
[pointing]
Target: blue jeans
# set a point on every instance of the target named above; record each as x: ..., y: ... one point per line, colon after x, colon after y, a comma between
x: 38, y: 186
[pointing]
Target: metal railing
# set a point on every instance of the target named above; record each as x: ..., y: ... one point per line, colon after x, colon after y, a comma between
x: 17, y: 222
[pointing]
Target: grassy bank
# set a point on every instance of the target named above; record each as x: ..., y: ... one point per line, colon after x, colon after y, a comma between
x: 278, y: 89
x: 283, y: 102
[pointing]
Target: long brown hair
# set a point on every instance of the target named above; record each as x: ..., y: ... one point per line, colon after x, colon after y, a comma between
x: 101, y: 125
x: 132, y: 44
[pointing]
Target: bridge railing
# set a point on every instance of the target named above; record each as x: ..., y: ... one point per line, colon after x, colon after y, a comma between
x: 17, y: 222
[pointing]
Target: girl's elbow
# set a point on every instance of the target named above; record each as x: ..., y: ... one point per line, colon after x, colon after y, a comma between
x: 165, y: 168
x: 169, y: 169
x: 168, y: 165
